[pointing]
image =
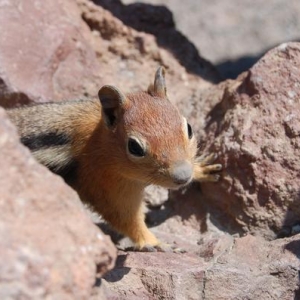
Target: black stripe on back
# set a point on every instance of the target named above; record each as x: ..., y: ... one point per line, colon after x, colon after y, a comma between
x: 68, y: 172
x: 45, y: 140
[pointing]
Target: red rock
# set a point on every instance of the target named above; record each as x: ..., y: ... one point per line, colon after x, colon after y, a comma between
x: 244, y: 268
x: 45, y: 52
x: 48, y: 245
x: 255, y: 269
x: 157, y: 275
x: 254, y: 129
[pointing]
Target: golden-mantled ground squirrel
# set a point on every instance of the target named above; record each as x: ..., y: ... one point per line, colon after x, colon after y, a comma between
x: 110, y: 150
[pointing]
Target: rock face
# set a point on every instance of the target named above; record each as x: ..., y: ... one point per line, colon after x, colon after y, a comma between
x: 52, y: 58
x: 145, y: 276
x: 242, y: 268
x: 255, y: 269
x: 48, y: 245
x: 255, y: 129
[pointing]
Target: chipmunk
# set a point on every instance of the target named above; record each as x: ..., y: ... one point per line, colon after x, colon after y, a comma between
x: 110, y: 149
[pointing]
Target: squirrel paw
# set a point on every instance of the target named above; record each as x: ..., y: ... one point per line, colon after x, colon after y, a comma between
x: 205, y: 170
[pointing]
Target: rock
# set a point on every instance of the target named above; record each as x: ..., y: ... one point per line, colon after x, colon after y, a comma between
x: 53, y: 58
x: 255, y: 129
x: 158, y: 21
x: 129, y: 57
x: 255, y: 269
x: 242, y: 268
x: 157, y: 275
x: 155, y: 196
x: 48, y: 245
x: 233, y: 35
x: 76, y: 47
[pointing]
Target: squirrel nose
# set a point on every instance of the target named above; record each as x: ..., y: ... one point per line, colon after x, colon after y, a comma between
x: 181, y: 172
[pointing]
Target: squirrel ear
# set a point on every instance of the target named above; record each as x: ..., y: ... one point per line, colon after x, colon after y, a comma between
x: 159, y: 86
x: 111, y: 100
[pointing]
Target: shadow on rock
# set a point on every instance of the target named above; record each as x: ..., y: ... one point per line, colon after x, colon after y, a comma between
x: 158, y: 21
x: 232, y: 68
x: 291, y: 224
x: 182, y: 203
x: 294, y: 247
x: 119, y: 270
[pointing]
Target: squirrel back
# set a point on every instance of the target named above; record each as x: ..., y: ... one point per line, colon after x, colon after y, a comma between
x: 50, y: 131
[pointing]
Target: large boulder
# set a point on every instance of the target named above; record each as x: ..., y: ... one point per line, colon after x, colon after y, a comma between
x: 49, y: 247
x: 255, y: 129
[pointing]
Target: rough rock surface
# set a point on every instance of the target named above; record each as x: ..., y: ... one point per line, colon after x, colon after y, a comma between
x: 241, y: 268
x: 48, y: 245
x: 52, y: 58
x: 255, y: 129
x: 155, y: 196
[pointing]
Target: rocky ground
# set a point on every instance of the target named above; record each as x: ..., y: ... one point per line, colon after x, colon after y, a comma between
x: 241, y: 234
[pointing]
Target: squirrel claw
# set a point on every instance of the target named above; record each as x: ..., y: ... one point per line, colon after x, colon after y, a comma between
x: 205, y: 169
x: 205, y: 160
x: 146, y: 248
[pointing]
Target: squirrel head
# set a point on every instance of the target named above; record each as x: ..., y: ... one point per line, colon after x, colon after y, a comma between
x: 150, y: 141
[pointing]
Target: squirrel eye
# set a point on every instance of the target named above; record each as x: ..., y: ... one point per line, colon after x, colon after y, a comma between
x: 190, y: 131
x: 135, y: 148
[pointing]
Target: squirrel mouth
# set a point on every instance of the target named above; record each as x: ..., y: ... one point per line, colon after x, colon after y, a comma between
x: 177, y: 186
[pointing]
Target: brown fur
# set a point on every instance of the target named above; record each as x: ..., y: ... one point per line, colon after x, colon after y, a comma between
x: 107, y: 177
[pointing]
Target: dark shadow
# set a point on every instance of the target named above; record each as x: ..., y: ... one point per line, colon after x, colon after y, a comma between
x: 11, y: 99
x: 108, y: 230
x: 191, y: 202
x: 98, y: 282
x: 119, y: 271
x: 297, y: 292
x: 183, y: 203
x: 232, y: 68
x: 291, y: 224
x: 215, y: 116
x: 158, y: 21
x: 294, y: 247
